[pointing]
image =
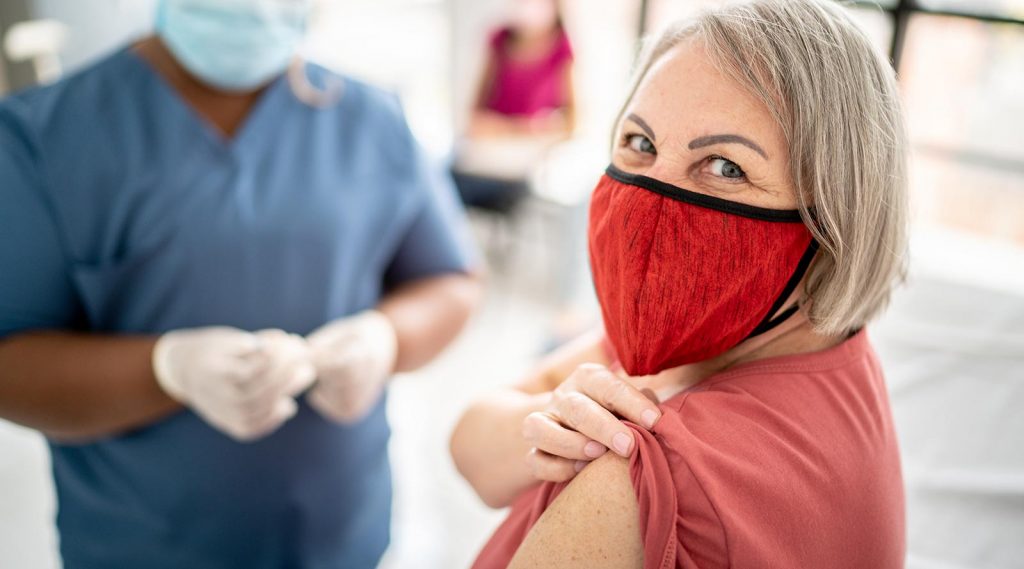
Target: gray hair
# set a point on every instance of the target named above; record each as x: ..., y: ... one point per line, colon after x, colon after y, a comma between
x: 836, y: 98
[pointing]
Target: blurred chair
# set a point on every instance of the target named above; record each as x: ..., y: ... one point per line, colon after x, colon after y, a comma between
x: 39, y: 42
x: 492, y: 177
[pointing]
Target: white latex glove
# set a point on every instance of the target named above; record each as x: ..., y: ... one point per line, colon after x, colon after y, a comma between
x: 354, y: 357
x: 241, y: 383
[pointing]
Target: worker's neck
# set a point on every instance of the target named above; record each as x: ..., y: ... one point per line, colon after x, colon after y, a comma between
x: 225, y: 111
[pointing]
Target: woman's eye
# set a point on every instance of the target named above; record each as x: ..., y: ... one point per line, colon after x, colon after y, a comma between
x: 640, y: 143
x: 724, y: 168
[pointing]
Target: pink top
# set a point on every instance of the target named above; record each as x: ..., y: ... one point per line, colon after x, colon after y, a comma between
x: 527, y: 88
x: 783, y: 462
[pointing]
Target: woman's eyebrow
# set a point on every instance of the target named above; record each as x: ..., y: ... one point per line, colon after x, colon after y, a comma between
x: 643, y: 126
x: 727, y: 138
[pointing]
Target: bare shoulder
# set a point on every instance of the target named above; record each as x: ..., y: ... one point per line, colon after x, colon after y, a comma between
x: 593, y: 523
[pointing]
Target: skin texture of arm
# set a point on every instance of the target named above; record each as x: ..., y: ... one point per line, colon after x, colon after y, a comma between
x: 77, y: 387
x: 487, y: 444
x: 593, y: 523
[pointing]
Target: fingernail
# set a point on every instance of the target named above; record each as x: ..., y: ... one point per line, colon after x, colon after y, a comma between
x: 621, y: 442
x: 594, y: 449
x: 580, y: 464
x: 649, y: 417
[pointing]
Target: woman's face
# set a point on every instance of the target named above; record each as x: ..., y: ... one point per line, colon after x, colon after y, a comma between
x: 692, y: 126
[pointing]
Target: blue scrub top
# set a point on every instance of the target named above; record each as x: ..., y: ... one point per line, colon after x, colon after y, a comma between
x: 122, y: 211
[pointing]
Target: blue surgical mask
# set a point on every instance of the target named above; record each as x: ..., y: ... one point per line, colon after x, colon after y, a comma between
x: 233, y: 45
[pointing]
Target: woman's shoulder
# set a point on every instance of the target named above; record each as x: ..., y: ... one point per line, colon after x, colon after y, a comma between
x: 782, y: 429
x: 808, y: 399
x: 807, y: 439
x: 83, y: 95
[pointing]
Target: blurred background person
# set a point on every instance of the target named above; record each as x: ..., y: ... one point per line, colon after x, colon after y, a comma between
x: 197, y: 230
x: 523, y: 107
x: 524, y: 103
x: 526, y: 87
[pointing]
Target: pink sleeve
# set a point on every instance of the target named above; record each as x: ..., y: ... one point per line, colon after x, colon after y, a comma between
x: 656, y: 499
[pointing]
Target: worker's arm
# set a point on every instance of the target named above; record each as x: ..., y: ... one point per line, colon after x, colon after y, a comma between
x: 592, y: 524
x: 427, y: 314
x: 65, y: 384
x: 80, y: 386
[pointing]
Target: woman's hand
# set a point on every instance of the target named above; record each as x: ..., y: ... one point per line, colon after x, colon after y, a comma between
x: 580, y: 424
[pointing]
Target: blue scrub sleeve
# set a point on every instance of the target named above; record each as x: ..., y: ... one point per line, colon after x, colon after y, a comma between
x: 35, y: 288
x: 438, y: 240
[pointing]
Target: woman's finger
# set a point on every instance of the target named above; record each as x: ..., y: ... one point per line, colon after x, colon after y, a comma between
x: 617, y: 394
x: 545, y: 433
x: 579, y: 412
x: 551, y: 468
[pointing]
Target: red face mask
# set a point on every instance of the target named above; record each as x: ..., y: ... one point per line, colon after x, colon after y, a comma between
x: 683, y: 277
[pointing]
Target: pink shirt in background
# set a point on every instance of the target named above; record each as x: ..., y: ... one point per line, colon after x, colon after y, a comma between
x: 527, y: 88
x: 788, y: 462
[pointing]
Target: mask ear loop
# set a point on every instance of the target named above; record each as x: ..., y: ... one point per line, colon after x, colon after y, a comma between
x: 801, y: 269
x: 304, y: 89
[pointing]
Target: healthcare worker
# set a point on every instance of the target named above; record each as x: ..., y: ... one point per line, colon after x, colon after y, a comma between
x: 206, y: 283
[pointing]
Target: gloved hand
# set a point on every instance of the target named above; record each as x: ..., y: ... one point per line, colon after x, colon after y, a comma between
x: 241, y: 383
x: 354, y: 357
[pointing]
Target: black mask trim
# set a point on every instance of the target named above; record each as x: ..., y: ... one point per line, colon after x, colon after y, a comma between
x: 704, y: 200
x: 801, y: 269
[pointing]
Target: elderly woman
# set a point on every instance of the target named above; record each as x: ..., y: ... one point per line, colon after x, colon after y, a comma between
x: 752, y: 222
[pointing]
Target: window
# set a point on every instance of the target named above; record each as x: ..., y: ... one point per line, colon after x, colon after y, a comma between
x: 963, y: 88
x: 960, y: 69
x: 400, y: 45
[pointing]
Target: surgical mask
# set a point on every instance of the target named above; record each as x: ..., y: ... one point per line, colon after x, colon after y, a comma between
x: 233, y: 45
x: 683, y: 277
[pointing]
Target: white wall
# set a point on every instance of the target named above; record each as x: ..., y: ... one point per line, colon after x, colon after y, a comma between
x: 96, y: 27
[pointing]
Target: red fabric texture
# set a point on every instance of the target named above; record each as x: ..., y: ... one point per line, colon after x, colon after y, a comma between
x: 788, y: 462
x: 680, y: 283
x: 528, y: 88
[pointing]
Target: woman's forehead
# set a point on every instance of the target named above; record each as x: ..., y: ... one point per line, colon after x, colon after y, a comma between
x: 686, y: 91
